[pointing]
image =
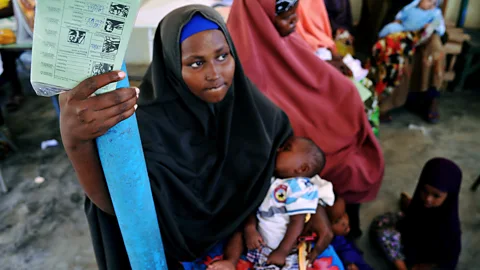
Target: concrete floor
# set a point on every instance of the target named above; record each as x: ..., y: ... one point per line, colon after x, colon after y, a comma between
x: 42, y: 226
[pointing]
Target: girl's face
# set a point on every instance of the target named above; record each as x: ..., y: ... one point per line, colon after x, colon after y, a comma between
x: 286, y: 21
x: 207, y: 65
x: 432, y: 197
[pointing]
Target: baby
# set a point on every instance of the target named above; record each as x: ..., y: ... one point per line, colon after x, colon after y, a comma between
x: 414, y: 17
x: 347, y: 251
x: 294, y: 193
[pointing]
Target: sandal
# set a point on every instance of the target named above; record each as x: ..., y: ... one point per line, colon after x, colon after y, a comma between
x: 433, y: 117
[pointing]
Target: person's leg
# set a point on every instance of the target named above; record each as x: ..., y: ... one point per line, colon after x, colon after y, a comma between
x: 353, y: 211
x: 398, y: 96
x: 433, y: 69
x: 10, y: 74
x: 438, y: 55
x: 387, y: 238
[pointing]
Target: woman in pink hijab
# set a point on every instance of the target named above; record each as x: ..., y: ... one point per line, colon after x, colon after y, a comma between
x: 321, y: 103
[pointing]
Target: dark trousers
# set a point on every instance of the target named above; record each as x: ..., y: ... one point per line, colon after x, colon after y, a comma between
x: 353, y: 211
x: 10, y: 74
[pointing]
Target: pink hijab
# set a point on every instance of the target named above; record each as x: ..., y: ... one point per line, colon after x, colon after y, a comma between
x: 313, y: 24
x: 320, y: 102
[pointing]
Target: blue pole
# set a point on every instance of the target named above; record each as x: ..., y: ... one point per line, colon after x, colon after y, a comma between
x: 462, y: 13
x: 123, y: 163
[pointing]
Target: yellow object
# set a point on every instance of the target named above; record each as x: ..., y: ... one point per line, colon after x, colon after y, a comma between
x: 302, y: 250
x: 344, y: 49
x: 7, y: 36
x: 4, y: 3
x: 307, y: 218
x: 302, y: 256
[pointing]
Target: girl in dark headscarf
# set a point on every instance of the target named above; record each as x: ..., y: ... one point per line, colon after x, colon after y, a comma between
x: 209, y: 138
x: 429, y: 233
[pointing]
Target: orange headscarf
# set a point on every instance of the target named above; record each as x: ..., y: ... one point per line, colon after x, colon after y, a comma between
x: 313, y: 24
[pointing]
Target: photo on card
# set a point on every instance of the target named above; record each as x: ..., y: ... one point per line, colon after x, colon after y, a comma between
x: 76, y: 36
x: 118, y: 9
x: 114, y: 26
x: 111, y: 45
x: 100, y: 68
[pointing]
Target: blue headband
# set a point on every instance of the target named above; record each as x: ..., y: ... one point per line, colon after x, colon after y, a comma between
x: 197, y: 24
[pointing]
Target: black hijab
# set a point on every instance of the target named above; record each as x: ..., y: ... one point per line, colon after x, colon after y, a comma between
x: 433, y: 235
x: 209, y: 165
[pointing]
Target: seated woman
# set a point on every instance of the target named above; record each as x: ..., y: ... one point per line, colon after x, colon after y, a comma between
x: 320, y: 102
x: 314, y: 27
x: 392, y: 64
x: 209, y: 136
x: 427, y: 235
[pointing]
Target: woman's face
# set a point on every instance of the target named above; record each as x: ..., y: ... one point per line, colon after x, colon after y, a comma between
x: 432, y: 197
x: 207, y: 65
x: 286, y: 22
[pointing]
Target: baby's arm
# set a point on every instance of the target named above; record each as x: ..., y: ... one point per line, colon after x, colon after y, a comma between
x: 294, y: 229
x: 231, y: 254
x: 253, y: 238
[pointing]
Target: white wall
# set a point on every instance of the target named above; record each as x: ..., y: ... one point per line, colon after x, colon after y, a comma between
x: 138, y: 51
x: 151, y: 12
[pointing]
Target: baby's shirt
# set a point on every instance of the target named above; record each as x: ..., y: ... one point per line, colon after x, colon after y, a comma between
x: 287, y: 197
x: 413, y: 18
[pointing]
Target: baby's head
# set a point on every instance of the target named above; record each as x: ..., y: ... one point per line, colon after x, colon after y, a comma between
x: 299, y: 157
x: 427, y: 4
x: 338, y: 217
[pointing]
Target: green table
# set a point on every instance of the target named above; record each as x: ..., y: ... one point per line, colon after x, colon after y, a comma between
x: 17, y: 46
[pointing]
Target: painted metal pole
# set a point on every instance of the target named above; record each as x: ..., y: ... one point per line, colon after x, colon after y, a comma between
x: 123, y: 163
x: 462, y: 13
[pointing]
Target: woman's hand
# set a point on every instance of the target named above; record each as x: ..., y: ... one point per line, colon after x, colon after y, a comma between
x: 84, y: 117
x: 253, y: 239
x: 221, y: 265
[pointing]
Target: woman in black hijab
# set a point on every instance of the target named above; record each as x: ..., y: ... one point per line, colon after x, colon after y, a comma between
x: 209, y: 138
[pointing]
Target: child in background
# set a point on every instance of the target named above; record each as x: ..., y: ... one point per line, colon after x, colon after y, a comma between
x: 294, y: 193
x: 350, y: 255
x: 414, y: 17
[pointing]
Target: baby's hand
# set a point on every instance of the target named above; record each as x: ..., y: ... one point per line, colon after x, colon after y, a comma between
x: 222, y: 265
x: 276, y: 258
x: 253, y: 239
